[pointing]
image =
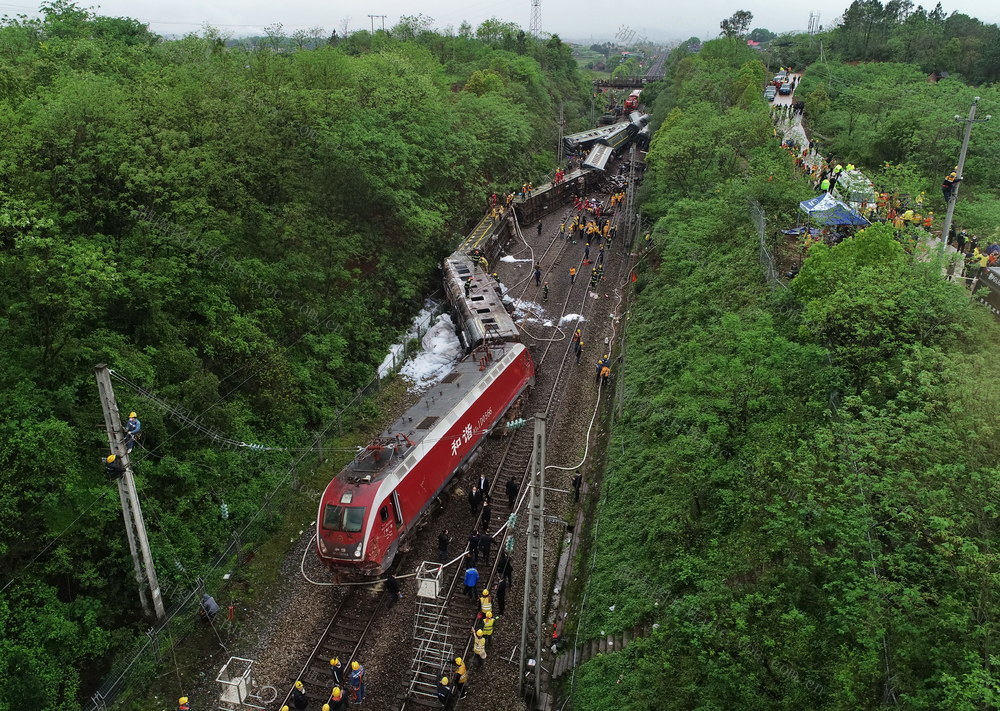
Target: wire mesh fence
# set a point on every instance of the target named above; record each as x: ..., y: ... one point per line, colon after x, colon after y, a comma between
x: 132, y: 671
x: 765, y: 253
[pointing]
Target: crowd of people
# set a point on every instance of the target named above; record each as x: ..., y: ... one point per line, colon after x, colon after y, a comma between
x: 909, y: 214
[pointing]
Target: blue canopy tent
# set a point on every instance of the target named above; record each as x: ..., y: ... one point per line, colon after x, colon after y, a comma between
x: 827, y: 210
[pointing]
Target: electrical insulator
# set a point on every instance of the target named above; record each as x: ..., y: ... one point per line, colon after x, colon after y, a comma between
x: 224, y: 510
x: 514, y: 424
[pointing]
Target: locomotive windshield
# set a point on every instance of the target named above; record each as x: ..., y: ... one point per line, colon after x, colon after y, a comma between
x: 343, y: 518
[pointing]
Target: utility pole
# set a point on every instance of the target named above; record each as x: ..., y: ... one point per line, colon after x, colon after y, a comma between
x: 534, y: 570
x: 946, y: 227
x: 372, y: 18
x: 135, y: 527
x: 630, y: 198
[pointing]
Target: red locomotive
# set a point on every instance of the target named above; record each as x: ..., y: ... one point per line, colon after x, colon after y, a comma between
x: 632, y: 102
x: 377, y: 500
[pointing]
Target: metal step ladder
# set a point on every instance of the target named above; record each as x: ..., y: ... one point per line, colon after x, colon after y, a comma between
x: 433, y: 651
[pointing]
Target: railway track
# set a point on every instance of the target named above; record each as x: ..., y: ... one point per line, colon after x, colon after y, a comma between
x: 347, y: 631
x: 515, y: 461
x: 342, y: 639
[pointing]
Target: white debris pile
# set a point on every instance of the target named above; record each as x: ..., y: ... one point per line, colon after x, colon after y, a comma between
x: 524, y: 309
x: 441, y: 348
x: 509, y: 259
x: 570, y: 318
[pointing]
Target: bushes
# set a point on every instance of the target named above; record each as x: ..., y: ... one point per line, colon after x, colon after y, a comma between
x: 800, y: 482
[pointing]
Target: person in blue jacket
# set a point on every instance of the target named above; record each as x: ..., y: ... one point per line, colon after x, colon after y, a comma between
x: 132, y: 429
x: 356, y: 680
x: 471, y: 581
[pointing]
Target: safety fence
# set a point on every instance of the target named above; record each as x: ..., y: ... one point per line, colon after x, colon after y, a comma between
x: 765, y: 252
x: 133, y: 671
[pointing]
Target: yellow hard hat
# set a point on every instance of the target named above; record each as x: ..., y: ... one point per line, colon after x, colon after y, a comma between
x: 183, y: 699
x: 444, y: 680
x: 298, y: 685
x: 110, y: 458
x: 479, y: 633
x: 326, y: 707
x: 284, y: 708
x: 458, y: 661
x: 337, y: 693
x: 355, y: 666
x: 489, y: 615
x: 132, y: 414
x: 486, y: 592
x: 334, y: 662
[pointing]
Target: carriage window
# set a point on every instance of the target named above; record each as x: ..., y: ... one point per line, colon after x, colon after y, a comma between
x: 343, y: 518
x: 384, y: 514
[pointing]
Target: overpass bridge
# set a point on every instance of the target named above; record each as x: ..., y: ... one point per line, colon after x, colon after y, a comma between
x: 627, y: 82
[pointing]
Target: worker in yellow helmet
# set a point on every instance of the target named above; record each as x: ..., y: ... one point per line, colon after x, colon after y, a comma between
x: 114, y: 468
x: 337, y: 669
x: 299, y: 699
x: 182, y: 702
x: 338, y: 702
x: 444, y: 693
x: 461, y: 677
x: 478, y: 647
x: 487, y: 630
x: 356, y: 680
x: 132, y: 429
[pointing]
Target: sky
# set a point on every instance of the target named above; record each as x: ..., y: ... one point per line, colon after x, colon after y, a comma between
x: 573, y: 20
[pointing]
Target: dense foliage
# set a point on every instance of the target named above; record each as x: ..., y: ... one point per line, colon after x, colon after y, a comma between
x: 240, y: 230
x: 801, y: 489
x: 934, y: 41
x: 889, y: 120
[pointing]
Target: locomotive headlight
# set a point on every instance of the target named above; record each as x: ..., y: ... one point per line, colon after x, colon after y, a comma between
x: 322, y: 545
x: 357, y: 552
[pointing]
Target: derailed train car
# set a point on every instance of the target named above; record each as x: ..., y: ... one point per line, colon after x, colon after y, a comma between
x: 376, y: 501
x: 481, y: 315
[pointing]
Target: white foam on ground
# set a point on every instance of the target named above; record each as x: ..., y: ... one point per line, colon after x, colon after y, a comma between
x: 441, y: 348
x: 390, y: 360
x: 420, y: 323
x: 524, y: 308
x: 569, y: 318
x: 507, y: 258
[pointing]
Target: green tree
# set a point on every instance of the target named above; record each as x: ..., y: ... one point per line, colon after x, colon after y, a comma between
x: 737, y: 24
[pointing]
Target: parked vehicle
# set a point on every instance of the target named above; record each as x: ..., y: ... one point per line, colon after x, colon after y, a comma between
x: 770, y: 92
x: 785, y: 89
